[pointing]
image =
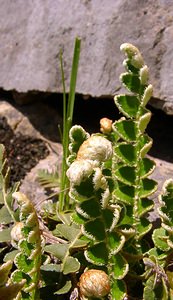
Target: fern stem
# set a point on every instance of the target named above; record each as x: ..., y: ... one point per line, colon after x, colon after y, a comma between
x: 70, y: 247
x: 137, y: 190
x: 136, y: 216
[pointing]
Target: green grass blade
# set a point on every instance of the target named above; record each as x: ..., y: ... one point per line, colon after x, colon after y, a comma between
x: 71, y: 98
x: 67, y: 122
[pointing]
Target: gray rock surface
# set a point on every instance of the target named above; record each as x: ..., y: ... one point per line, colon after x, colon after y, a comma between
x: 33, y: 32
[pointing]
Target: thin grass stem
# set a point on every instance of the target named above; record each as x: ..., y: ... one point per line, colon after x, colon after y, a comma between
x: 68, y: 109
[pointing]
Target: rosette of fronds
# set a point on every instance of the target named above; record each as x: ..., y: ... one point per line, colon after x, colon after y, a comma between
x: 91, y: 186
x: 26, y: 237
x: 131, y: 167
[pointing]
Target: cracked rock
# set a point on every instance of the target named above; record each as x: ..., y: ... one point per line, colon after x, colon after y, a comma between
x: 32, y: 35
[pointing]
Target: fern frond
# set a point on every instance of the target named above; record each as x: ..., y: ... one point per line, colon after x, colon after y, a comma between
x: 28, y: 239
x: 48, y: 179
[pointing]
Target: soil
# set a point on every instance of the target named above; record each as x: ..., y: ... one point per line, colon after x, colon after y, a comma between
x: 23, y: 152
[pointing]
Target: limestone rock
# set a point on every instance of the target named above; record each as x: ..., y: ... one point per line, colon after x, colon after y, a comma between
x: 32, y: 34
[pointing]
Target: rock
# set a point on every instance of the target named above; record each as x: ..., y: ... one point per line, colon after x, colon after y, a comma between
x: 30, y: 185
x: 29, y: 149
x: 162, y: 172
x: 24, y: 98
x: 32, y: 35
x: 38, y: 121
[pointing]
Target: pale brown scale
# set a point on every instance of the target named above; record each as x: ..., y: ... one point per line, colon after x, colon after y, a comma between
x: 105, y: 125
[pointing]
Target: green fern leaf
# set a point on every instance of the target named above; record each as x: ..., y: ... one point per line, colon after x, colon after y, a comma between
x: 126, y: 153
x: 120, y: 266
x: 97, y: 254
x: 126, y: 174
x: 65, y: 289
x: 94, y: 229
x: 125, y: 194
x: 89, y: 208
x: 71, y: 265
x: 145, y: 205
x: 144, y: 227
x: 68, y: 232
x: 57, y: 250
x: 148, y: 187
x: 77, y: 136
x: 118, y: 290
x: 160, y: 238
x: 128, y: 105
x: 147, y: 167
x: 145, y: 144
x: 126, y: 129
x: 116, y: 242
x: 132, y: 82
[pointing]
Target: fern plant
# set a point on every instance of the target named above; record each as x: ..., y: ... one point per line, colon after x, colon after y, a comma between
x: 131, y: 167
x: 110, y: 185
x: 97, y: 242
x: 26, y: 234
x: 91, y: 187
